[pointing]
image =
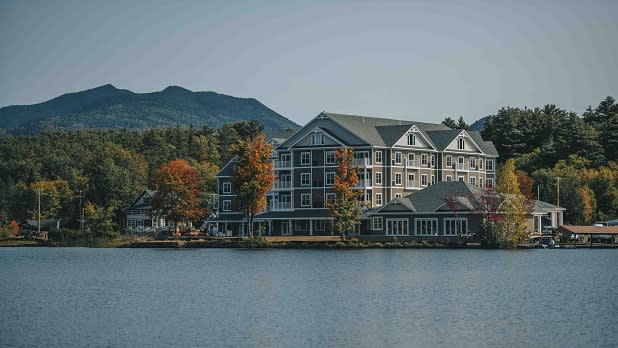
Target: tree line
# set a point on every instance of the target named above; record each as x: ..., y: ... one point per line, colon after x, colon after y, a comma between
x: 105, y: 170
x: 550, y: 145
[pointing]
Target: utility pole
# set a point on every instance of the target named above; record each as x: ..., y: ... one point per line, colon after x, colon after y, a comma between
x: 558, y: 189
x: 81, y: 211
x: 38, y: 200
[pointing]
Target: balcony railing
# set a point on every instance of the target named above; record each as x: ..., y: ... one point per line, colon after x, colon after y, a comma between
x: 362, y: 162
x: 413, y: 164
x: 282, y: 185
x: 282, y: 164
x: 413, y: 184
x: 363, y: 184
x: 280, y: 205
x: 462, y: 166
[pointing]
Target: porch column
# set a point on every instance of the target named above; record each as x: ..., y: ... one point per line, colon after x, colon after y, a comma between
x: 270, y: 226
x: 310, y: 227
x: 539, y: 220
x: 560, y: 218
x: 290, y: 226
x: 553, y: 219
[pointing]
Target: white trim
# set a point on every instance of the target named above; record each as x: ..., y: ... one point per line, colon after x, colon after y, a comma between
x: 402, y: 228
x: 432, y: 223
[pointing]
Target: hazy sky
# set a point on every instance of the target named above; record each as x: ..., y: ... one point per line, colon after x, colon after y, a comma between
x: 419, y: 60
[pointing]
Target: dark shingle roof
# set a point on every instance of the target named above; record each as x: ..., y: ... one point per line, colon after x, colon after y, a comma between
x: 228, y: 169
x: 433, y: 197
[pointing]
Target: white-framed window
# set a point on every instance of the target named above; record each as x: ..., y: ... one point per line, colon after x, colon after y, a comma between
x: 397, y: 227
x: 424, y: 160
x: 433, y: 161
x: 305, y: 179
x: 398, y: 195
x: 378, y: 178
x: 398, y: 157
x: 411, y: 156
x: 461, y: 144
x: 460, y: 160
x: 472, y: 162
x: 378, y: 199
x: 489, y: 165
x: 480, y: 181
x: 411, y: 139
x: 330, y: 178
x: 423, y: 179
x: 449, y: 178
x: 397, y: 178
x: 426, y: 226
x: 227, y: 187
x: 305, y: 200
x: 377, y: 223
x: 330, y: 157
x: 481, y: 160
x: 490, y: 182
x: 378, y: 156
x: 305, y: 158
x: 227, y: 205
x: 317, y: 139
x: 449, y: 161
x: 433, y: 179
x: 461, y: 178
x: 330, y: 199
x: 455, y: 226
x: 473, y: 180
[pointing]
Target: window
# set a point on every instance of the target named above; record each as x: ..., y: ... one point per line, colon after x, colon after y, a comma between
x: 461, y: 178
x: 317, y: 139
x: 411, y: 156
x: 424, y: 160
x: 305, y: 179
x: 396, y: 227
x: 227, y: 205
x: 330, y: 157
x: 378, y: 178
x: 376, y: 223
x: 330, y: 178
x: 423, y: 179
x: 472, y: 162
x: 490, y: 182
x: 426, y: 227
x: 378, y: 199
x: 433, y: 161
x: 481, y: 163
x: 433, y: 179
x: 489, y: 165
x: 305, y: 158
x: 460, y: 160
x: 305, y: 200
x: 480, y: 181
x: 398, y: 157
x: 461, y: 144
x: 449, y: 161
x: 411, y: 139
x: 397, y: 195
x: 227, y: 187
x: 449, y: 178
x: 378, y: 156
x: 473, y: 180
x: 397, y: 178
x: 411, y: 179
x: 330, y: 199
x: 455, y: 226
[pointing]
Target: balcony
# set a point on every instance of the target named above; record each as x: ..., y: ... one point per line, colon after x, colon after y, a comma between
x: 282, y: 164
x: 282, y: 185
x: 363, y: 184
x: 362, y: 162
x: 413, y: 164
x: 462, y: 167
x: 274, y: 206
x: 413, y: 184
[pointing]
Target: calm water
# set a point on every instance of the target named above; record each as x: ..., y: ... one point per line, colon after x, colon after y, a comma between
x: 61, y: 297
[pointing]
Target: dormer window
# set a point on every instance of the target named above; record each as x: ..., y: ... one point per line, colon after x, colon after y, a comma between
x: 411, y: 139
x: 461, y: 144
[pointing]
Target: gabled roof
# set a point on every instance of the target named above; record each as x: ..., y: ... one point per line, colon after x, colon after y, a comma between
x: 442, y: 138
x: 434, y: 197
x: 544, y: 207
x: 228, y: 169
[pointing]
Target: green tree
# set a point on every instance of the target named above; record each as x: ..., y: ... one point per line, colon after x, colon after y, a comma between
x: 511, y: 229
x: 254, y: 177
x: 345, y: 209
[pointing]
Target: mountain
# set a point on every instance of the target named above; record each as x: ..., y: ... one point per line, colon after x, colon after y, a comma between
x: 479, y: 125
x: 108, y: 107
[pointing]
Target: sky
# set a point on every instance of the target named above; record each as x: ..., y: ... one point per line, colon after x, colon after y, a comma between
x: 413, y: 60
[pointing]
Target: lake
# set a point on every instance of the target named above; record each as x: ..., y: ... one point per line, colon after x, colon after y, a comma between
x: 67, y: 297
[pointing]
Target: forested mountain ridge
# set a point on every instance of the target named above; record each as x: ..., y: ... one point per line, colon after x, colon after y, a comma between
x: 107, y: 107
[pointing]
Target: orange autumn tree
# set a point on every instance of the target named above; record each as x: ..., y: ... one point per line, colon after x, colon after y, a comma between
x: 178, y: 192
x: 345, y: 209
x: 254, y: 176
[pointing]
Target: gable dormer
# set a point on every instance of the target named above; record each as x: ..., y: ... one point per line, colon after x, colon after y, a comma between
x: 463, y: 142
x: 317, y: 137
x: 413, y: 138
